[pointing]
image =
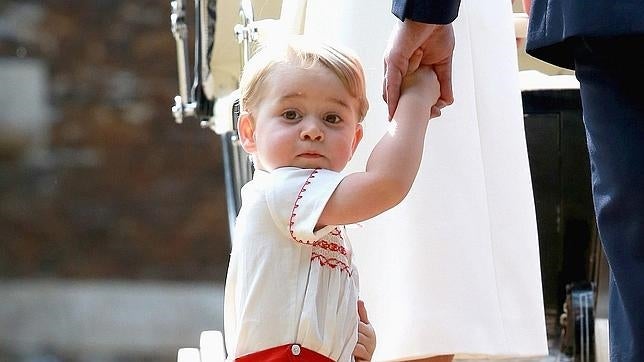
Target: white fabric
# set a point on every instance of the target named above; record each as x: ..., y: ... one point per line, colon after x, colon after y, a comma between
x: 455, y: 267
x: 286, y: 283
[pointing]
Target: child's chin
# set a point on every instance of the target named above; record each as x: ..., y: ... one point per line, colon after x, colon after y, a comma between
x: 310, y: 165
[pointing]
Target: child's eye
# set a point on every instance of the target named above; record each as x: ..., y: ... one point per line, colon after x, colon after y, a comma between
x: 332, y: 118
x: 290, y: 115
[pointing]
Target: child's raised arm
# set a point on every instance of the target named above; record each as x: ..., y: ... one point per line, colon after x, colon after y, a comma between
x: 393, y: 163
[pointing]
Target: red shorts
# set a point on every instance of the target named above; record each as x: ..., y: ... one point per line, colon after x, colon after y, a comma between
x: 285, y: 353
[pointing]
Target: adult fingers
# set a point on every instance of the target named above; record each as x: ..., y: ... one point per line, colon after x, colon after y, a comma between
x: 391, y: 89
x: 396, y: 65
x: 384, y: 81
x: 415, y: 60
x: 444, y: 74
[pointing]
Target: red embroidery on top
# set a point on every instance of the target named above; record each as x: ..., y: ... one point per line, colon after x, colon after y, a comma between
x: 331, y: 246
x: 295, y: 206
x: 330, y: 262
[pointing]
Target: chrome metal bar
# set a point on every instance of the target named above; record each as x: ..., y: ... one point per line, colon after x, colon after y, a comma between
x: 239, y: 168
x: 180, y: 32
x: 203, y: 109
x: 199, y: 63
x: 246, y: 31
x: 194, y: 102
x: 203, y: 25
x: 233, y: 197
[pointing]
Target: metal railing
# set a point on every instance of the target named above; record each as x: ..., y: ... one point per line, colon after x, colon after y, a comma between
x: 194, y: 103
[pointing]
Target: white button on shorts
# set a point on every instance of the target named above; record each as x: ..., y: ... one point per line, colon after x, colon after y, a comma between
x: 295, y: 349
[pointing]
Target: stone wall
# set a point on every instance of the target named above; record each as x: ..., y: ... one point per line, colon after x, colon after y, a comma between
x: 104, y: 185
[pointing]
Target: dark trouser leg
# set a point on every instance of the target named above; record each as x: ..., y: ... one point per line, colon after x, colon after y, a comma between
x: 612, y: 92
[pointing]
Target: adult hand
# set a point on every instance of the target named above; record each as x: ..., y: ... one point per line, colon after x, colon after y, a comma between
x: 437, y: 45
x: 366, y: 336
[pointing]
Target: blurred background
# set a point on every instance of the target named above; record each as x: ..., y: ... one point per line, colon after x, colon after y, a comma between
x: 113, y: 227
x: 114, y: 235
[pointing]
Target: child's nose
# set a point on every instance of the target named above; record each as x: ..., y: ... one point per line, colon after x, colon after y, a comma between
x: 311, y: 131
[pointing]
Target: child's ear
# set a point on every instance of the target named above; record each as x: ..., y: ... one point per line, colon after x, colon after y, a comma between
x: 246, y: 130
x: 357, y: 138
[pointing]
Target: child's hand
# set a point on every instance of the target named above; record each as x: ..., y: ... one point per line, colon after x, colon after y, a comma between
x: 421, y: 86
x: 366, y: 336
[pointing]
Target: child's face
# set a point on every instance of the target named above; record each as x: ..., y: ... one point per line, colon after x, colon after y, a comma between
x: 304, y: 118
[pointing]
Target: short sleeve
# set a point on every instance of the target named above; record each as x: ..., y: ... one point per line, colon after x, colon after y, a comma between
x: 296, y: 198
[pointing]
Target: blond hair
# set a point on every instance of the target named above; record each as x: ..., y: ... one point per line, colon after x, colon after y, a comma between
x: 305, y: 53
